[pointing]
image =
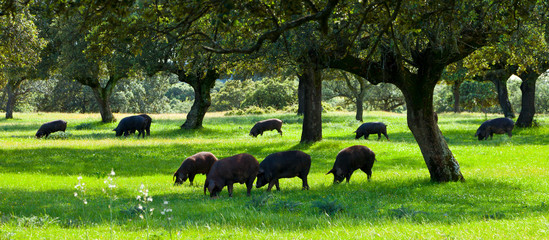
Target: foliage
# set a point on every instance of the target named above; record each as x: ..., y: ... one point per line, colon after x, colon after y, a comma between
x: 241, y: 94
x: 542, y: 93
x: 385, y: 97
x: 478, y: 96
x: 273, y: 92
x: 20, y: 43
x: 145, y: 95
x: 232, y: 94
x: 66, y: 96
x: 443, y: 100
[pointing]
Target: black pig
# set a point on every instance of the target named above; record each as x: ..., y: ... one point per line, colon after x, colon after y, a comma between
x: 148, y: 122
x: 266, y: 125
x: 287, y: 164
x: 350, y: 159
x: 371, y: 128
x: 129, y: 124
x: 498, y: 126
x: 195, y: 164
x: 241, y: 168
x: 50, y: 127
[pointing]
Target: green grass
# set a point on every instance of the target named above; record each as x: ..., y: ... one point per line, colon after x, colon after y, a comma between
x: 505, y: 196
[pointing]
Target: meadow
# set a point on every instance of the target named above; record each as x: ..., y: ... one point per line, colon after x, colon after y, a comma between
x: 88, y: 184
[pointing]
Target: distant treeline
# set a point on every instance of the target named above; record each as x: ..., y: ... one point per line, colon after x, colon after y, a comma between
x: 165, y: 94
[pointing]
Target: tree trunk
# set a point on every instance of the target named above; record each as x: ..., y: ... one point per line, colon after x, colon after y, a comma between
x: 11, y: 89
x: 202, y: 99
x: 528, y: 89
x: 360, y: 96
x: 455, y: 89
x: 103, y: 99
x: 503, y: 96
x: 11, y: 101
x: 440, y: 161
x: 359, y: 108
x: 300, y: 96
x: 312, y: 107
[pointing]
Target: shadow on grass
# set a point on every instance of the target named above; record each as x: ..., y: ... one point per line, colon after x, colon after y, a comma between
x: 126, y: 160
x: 373, y: 202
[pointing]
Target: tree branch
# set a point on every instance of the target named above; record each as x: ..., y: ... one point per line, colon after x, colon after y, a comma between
x: 273, y: 35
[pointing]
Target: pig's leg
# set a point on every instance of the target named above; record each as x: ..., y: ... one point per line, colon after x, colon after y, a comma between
x: 368, y: 172
x: 191, y: 178
x: 249, y: 186
x: 348, y: 177
x: 277, y: 185
x: 271, y: 183
x: 305, y: 184
x: 230, y: 189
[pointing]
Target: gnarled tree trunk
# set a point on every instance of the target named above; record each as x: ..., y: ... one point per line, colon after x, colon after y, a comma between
x: 202, y: 86
x: 528, y: 89
x: 440, y: 161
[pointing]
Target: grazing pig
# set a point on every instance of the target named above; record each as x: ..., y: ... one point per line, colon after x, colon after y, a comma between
x: 266, y: 125
x: 498, y: 126
x: 195, y: 164
x: 241, y: 168
x: 148, y: 122
x: 129, y: 124
x: 287, y: 164
x: 371, y: 128
x: 50, y: 127
x: 350, y: 159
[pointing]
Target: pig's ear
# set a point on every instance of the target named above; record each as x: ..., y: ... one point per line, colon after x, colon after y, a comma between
x: 261, y: 171
x: 331, y: 171
x: 338, y: 172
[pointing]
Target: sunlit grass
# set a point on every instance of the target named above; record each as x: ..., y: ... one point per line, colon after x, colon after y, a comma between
x: 505, y: 195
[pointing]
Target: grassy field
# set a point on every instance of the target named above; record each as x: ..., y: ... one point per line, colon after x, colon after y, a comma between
x: 505, y: 195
